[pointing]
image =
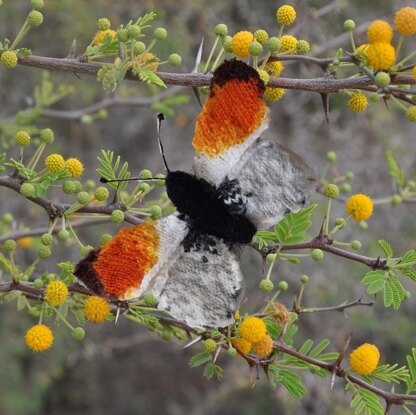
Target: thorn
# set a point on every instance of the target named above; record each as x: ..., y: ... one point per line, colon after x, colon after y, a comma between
x: 217, y: 352
x: 339, y: 360
x: 325, y: 103
x: 196, y: 340
x: 197, y: 95
x: 321, y: 231
x: 71, y: 53
x: 118, y: 313
x: 195, y: 70
x: 386, y: 103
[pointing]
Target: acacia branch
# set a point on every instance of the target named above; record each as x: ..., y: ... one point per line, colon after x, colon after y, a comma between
x: 340, y: 307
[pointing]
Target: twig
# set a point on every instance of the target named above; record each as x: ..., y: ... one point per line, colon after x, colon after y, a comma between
x: 340, y: 307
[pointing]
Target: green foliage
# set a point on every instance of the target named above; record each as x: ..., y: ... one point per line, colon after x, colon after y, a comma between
x: 395, y: 171
x: 211, y: 369
x: 290, y: 230
x: 411, y: 381
x: 148, y: 76
x: 291, y: 381
x: 389, y: 373
x: 168, y: 104
x: 110, y: 170
x: 366, y: 402
x: 199, y: 359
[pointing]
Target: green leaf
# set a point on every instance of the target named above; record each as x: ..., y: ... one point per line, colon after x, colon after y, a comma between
x: 397, y: 291
x: 367, y: 402
x: 199, y: 359
x: 395, y: 171
x: 411, y: 363
x: 211, y: 370
x: 391, y: 373
x: 291, y: 381
x: 373, y: 276
x: 376, y: 286
x: 264, y: 238
x: 146, y: 75
x: 385, y: 246
x: 110, y: 171
x: 272, y: 328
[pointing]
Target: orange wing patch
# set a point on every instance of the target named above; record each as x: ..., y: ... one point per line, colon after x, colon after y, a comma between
x: 233, y: 111
x: 123, y: 262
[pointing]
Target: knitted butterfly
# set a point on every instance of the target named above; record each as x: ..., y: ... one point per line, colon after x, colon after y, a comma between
x: 241, y: 183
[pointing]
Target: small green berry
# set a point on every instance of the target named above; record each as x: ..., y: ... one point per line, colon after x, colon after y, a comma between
x: 101, y: 193
x: 411, y: 113
x: 63, y: 234
x: 317, y: 254
x: 122, y: 35
x: 174, y: 59
x: 345, y: 188
x: 117, y: 216
x: 90, y: 184
x: 47, y: 136
x: 149, y: 300
x: 374, y: 97
x: 28, y: 190
x: 336, y: 62
x: 407, y: 295
x: 83, y: 198
x: 78, y: 333
x: 349, y: 25
x: 356, y: 245
x: 133, y: 31
x: 7, y: 218
x: 155, y: 212
x: 283, y: 286
x: 50, y: 277
x: 38, y: 283
x: 266, y: 285
x: 255, y: 48
x: 349, y: 175
x: 302, y: 47
x: 396, y: 200
x: 143, y: 187
x: 261, y: 36
x: 271, y: 257
x: 331, y: 156
x: 382, y: 79
x: 221, y: 29
x: 103, y: 24
x: 8, y: 59
x: 139, y: 48
x: 160, y: 182
x: 102, y: 113
x: 160, y: 33
x: 264, y: 76
x: 273, y: 44
x: 22, y: 138
x: 106, y: 237
x: 35, y: 18
x: 78, y: 186
x: 340, y: 222
x: 44, y: 251
x: 46, y: 239
x: 304, y: 279
x: 69, y: 187
x: 10, y: 245
x: 210, y: 345
x: 363, y: 225
x: 226, y: 43
x: 145, y: 174
x: 232, y: 351
x: 331, y: 190
x: 411, y: 184
x: 37, y: 4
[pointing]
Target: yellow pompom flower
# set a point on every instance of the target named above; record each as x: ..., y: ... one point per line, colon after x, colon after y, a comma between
x: 274, y: 68
x: 358, y: 102
x: 362, y: 49
x: 288, y: 42
x: 54, y: 163
x: 381, y: 55
x: 405, y: 21
x: 274, y: 94
x: 286, y: 15
x: 241, y: 42
x: 99, y: 37
x: 74, y: 166
x: 56, y: 293
x: 359, y: 206
x: 96, y: 309
x: 253, y: 329
x: 264, y: 347
x: 364, y: 359
x: 242, y: 345
x: 379, y: 31
x: 39, y: 338
x: 25, y: 242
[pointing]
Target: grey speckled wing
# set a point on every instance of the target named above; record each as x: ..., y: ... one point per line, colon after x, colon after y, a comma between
x: 205, y: 285
x: 268, y: 182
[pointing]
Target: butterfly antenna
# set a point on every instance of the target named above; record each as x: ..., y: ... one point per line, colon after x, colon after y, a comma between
x: 160, y: 118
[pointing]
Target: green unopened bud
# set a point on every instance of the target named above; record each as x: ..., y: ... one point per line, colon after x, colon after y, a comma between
x: 103, y: 24
x: 331, y: 190
x: 255, y: 48
x: 407, y: 295
x: 349, y: 25
x: 266, y: 285
x: 101, y: 193
x: 90, y: 184
x: 210, y: 345
x: 155, y: 212
x: 261, y: 36
x: 411, y: 113
x: 27, y: 190
x: 160, y: 182
x: 174, y: 59
x: 302, y: 47
x: 283, y: 286
x: 34, y: 18
x: 46, y: 239
x: 273, y: 44
x: 345, y: 188
x: 382, y: 79
x: 226, y: 43
x: 304, y: 279
x: 396, y: 200
x: 78, y: 333
x: 264, y: 76
x: 9, y: 245
x: 356, y: 245
x: 331, y: 156
x: 411, y: 184
x: 63, y: 234
x: 69, y: 187
x: 38, y: 283
x: 83, y: 198
x: 160, y: 33
x: 145, y: 174
x: 37, y: 4
x: 7, y: 218
x: 363, y: 225
x: 340, y: 222
x: 44, y: 251
x: 122, y: 35
x: 105, y: 238
x: 149, y: 300
x: 133, y: 31
x: 143, y: 187
x: 317, y: 254
x: 271, y: 257
x: 221, y: 29
x: 78, y: 186
x: 139, y: 48
x: 232, y: 351
x: 22, y: 138
x: 117, y: 216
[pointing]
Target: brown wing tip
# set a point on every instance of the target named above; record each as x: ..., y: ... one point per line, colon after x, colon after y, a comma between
x: 236, y: 70
x: 86, y: 273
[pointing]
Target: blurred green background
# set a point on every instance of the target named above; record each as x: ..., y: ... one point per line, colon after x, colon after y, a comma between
x: 125, y: 368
